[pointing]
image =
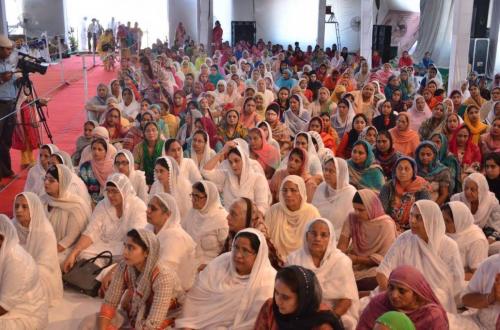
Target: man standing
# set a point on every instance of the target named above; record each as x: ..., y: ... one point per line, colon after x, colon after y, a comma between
x: 8, y: 93
x: 93, y: 34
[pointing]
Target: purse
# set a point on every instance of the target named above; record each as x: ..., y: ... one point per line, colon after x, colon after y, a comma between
x: 82, y: 276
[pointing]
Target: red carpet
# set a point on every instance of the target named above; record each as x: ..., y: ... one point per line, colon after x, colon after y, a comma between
x: 65, y: 114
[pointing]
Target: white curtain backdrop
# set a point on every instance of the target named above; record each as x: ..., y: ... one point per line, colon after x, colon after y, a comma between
x: 436, y: 20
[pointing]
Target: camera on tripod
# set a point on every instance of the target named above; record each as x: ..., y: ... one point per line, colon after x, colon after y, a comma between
x: 29, y: 64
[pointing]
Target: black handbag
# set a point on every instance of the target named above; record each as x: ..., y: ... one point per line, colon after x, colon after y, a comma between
x: 82, y: 276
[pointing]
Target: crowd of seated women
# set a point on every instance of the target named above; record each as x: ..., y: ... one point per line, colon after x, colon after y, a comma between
x: 267, y: 188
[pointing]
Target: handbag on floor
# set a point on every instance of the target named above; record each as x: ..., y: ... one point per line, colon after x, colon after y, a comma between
x: 82, y: 276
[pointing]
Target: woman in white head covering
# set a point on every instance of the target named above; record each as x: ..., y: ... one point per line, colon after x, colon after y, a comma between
x: 120, y: 211
x: 266, y: 127
x: 169, y: 180
x: 23, y: 303
x: 199, y: 150
x: 427, y: 248
x: 418, y: 112
x: 131, y: 108
x: 187, y: 167
x: 333, y: 197
x: 206, y: 222
x: 477, y: 294
x: 34, y: 180
x: 165, y: 221
x: 67, y: 212
x: 38, y: 239
x: 333, y: 269
x: 472, y: 243
x: 286, y: 220
x: 235, y: 177
x: 342, y: 119
x: 230, y: 291
x: 124, y: 164
x: 77, y: 186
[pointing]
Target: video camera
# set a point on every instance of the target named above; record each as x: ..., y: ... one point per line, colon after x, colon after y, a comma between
x: 29, y: 64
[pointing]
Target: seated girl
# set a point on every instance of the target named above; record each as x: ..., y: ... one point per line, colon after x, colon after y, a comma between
x: 142, y: 292
x: 296, y: 303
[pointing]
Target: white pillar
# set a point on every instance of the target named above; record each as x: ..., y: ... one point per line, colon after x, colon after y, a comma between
x: 460, y: 39
x: 366, y: 29
x: 495, y: 25
x: 205, y: 23
x: 320, y: 39
x: 3, y: 19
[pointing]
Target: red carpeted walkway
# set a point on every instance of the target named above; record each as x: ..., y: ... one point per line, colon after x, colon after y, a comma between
x: 65, y: 114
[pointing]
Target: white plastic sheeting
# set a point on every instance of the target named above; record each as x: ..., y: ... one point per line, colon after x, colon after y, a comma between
x: 459, y: 59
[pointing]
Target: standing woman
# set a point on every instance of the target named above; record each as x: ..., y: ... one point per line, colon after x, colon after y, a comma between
x: 333, y: 197
x: 332, y: 268
x: 124, y: 163
x: 34, y: 181
x: 67, y: 212
x: 187, y: 168
x: 37, y: 237
x: 200, y: 151
x: 206, y: 222
x: 366, y: 237
x: 402, y: 191
x: 95, y: 171
x: 405, y: 139
x: 267, y: 155
x: 168, y: 180
x: 286, y: 219
x: 359, y: 122
x: 296, y: 117
x: 431, y: 169
x: 363, y: 172
x: 23, y: 304
x: 146, y: 152
x: 473, y: 122
x: 235, y: 177
x: 385, y: 154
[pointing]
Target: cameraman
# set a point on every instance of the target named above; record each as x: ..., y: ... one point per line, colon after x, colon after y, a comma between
x: 8, y: 93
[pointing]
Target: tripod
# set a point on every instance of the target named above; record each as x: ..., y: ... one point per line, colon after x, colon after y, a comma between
x: 26, y: 86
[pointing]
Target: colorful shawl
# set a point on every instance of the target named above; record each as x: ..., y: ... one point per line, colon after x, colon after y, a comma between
x: 368, y: 175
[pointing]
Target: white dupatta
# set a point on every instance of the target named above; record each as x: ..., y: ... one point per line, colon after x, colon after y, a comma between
x: 137, y: 178
x: 34, y: 181
x: 40, y: 242
x: 223, y: 299
x: 335, y: 204
x: 335, y: 274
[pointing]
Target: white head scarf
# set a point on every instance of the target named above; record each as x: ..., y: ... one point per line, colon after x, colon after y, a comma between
x: 41, y: 244
x: 313, y: 161
x: 487, y: 200
x: 323, y: 153
x: 334, y: 273
x: 179, y: 186
x: 211, y: 217
x: 137, y: 178
x: 223, y: 298
x: 10, y: 240
x: 208, y: 153
x: 171, y: 234
x: 34, y: 181
x: 340, y: 125
x: 418, y: 117
x: 335, y: 204
x: 297, y: 123
x: 270, y: 138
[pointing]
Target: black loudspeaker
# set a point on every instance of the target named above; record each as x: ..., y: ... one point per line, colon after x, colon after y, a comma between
x: 480, y: 19
x: 478, y: 54
x: 243, y: 30
x: 381, y: 41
